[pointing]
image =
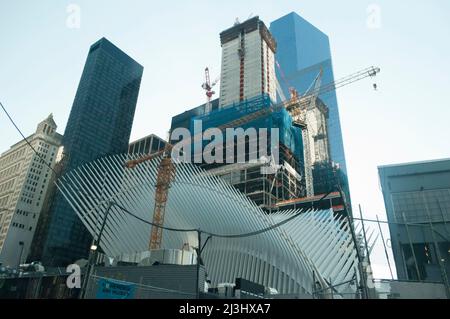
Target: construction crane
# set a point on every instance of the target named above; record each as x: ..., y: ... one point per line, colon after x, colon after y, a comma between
x: 300, y: 119
x: 208, y: 86
x: 166, y: 169
x: 165, y: 175
x: 329, y: 87
x: 320, y: 112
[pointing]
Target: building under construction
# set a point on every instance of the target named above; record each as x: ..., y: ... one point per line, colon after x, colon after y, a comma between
x: 248, y: 100
x: 249, y: 177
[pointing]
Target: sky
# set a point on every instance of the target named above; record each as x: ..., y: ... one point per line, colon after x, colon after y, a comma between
x: 43, y: 50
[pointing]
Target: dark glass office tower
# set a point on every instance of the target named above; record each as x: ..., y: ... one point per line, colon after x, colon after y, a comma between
x: 302, y: 50
x: 99, y: 124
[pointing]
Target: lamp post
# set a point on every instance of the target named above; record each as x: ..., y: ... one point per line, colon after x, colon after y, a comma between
x: 93, y: 252
x: 199, y: 259
x: 199, y: 253
x: 21, y: 244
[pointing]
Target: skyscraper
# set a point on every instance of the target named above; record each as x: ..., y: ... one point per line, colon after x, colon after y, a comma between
x: 99, y: 124
x: 248, y: 70
x: 302, y: 51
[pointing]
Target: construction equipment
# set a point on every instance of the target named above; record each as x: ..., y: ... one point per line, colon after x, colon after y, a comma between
x: 306, y: 110
x: 316, y: 115
x: 166, y: 172
x: 332, y: 86
x: 208, y: 86
x: 279, y: 90
x: 166, y: 169
x: 292, y: 91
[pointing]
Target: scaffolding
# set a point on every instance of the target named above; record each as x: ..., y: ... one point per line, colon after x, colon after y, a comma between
x: 265, y: 190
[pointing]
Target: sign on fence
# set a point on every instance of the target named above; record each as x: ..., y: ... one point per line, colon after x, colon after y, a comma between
x: 115, y: 289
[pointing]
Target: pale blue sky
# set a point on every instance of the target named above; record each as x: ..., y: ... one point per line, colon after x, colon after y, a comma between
x: 41, y: 61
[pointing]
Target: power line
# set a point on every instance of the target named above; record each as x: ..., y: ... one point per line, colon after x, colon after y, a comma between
x: 26, y: 140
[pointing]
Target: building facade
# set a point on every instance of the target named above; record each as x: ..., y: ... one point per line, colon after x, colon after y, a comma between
x: 302, y: 52
x: 147, y: 145
x: 183, y: 120
x: 43, y: 223
x: 24, y: 180
x: 248, y: 69
x: 417, y: 201
x: 99, y: 124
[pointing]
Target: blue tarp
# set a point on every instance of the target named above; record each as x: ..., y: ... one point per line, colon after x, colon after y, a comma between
x: 290, y: 135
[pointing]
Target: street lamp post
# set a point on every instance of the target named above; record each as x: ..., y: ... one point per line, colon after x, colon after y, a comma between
x: 199, y: 253
x: 199, y: 259
x: 93, y: 252
x: 21, y: 244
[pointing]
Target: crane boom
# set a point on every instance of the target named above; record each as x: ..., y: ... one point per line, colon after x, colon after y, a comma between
x: 135, y: 162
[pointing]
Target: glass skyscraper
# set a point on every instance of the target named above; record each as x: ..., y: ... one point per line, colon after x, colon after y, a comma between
x: 302, y: 50
x: 99, y: 124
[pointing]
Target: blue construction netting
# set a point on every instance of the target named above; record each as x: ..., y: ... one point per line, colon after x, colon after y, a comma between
x: 290, y: 136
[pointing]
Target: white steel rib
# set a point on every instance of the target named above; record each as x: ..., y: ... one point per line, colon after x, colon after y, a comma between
x: 288, y: 258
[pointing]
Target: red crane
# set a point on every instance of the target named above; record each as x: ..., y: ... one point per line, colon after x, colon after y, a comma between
x: 208, y: 86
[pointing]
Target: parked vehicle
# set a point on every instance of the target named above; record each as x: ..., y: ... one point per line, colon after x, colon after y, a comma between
x: 35, y: 266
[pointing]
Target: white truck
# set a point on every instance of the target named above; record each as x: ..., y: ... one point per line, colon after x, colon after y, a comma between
x: 35, y: 266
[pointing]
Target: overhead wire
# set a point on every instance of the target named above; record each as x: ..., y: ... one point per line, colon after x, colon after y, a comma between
x: 44, y: 161
x: 254, y: 233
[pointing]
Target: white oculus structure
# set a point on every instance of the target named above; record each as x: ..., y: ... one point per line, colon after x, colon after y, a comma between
x: 313, y: 246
